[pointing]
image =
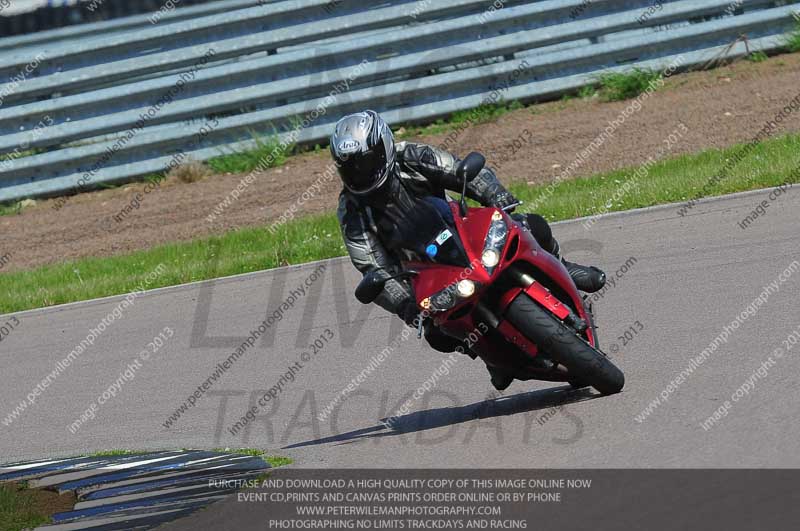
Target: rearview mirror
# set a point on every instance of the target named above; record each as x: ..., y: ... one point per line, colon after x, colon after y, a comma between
x: 471, y: 166
x: 370, y: 286
x: 467, y: 170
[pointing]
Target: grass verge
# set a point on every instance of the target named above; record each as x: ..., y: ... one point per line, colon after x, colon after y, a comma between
x: 114, y: 453
x: 482, y: 114
x: 757, y: 57
x: 18, y: 510
x: 24, y: 508
x: 618, y: 86
x: 11, y: 209
x: 267, y: 148
x: 678, y: 179
x: 793, y: 38
x: 236, y: 252
x: 274, y: 461
x: 671, y: 180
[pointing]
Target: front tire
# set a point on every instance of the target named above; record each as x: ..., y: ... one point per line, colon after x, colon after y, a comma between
x: 587, y: 365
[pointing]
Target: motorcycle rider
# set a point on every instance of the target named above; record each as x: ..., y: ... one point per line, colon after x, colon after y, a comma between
x: 381, y: 182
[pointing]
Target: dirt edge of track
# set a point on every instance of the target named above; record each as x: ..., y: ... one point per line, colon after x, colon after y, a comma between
x: 719, y: 107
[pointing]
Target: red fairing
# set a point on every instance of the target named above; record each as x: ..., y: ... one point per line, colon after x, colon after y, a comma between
x: 546, y: 299
x: 435, y: 277
x: 472, y: 230
x: 555, y: 270
x: 530, y: 251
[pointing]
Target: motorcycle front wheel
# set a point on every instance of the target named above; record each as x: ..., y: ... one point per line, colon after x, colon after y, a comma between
x: 584, y: 363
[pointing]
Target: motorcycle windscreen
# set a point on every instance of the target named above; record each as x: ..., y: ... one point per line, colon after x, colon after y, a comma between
x: 426, y: 233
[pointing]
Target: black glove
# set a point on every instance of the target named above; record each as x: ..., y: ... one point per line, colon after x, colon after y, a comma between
x: 503, y: 199
x: 408, y: 312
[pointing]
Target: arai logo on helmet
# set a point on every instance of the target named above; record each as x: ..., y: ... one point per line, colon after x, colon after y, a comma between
x: 349, y: 146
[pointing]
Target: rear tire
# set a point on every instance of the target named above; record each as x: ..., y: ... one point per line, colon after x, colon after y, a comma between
x: 587, y: 365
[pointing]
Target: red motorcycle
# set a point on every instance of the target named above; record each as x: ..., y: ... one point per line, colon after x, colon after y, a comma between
x: 476, y: 269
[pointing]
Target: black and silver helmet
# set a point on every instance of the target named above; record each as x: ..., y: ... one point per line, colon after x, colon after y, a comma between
x: 362, y: 146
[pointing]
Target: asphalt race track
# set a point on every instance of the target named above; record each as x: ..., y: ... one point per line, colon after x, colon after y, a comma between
x: 690, y: 277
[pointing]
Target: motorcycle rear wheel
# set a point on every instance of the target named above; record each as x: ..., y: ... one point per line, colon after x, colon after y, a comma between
x: 586, y: 364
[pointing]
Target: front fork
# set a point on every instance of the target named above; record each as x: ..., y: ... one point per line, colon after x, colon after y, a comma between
x: 543, y: 296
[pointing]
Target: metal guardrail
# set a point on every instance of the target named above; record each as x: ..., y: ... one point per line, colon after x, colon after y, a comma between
x: 25, y: 17
x: 141, y: 111
x: 307, y: 59
x: 106, y: 27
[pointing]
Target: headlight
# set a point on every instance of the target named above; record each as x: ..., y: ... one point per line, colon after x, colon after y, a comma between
x: 450, y: 296
x: 497, y: 231
x: 490, y: 258
x: 495, y: 242
x: 465, y: 288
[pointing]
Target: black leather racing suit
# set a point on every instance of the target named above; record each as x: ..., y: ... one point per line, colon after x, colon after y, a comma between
x: 368, y: 223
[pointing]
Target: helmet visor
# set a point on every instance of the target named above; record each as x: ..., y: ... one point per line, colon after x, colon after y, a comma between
x: 362, y: 172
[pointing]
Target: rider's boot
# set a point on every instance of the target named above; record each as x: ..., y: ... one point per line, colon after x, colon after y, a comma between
x: 587, y: 278
x: 441, y: 342
x: 499, y: 378
x: 444, y: 343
